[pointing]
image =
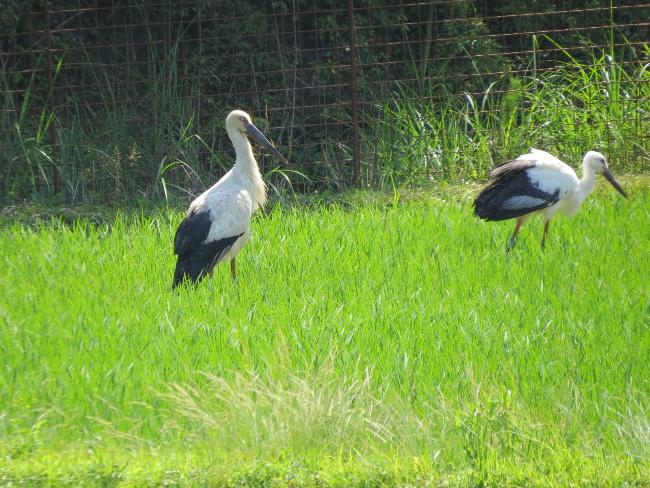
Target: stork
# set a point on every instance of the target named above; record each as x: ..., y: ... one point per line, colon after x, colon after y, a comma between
x: 217, y: 224
x: 539, y: 182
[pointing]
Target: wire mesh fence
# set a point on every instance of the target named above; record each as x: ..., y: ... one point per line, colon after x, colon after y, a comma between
x: 115, y: 99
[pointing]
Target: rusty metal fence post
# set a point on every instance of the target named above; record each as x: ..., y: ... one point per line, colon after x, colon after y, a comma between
x: 353, y: 90
x: 56, y: 175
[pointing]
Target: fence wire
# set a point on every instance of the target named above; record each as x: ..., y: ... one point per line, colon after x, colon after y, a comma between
x: 111, y: 99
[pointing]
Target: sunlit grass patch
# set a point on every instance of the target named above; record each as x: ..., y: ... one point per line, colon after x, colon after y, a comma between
x: 390, y: 341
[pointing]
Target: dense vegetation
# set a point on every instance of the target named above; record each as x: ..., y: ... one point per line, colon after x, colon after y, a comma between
x: 445, y: 90
x: 369, y: 344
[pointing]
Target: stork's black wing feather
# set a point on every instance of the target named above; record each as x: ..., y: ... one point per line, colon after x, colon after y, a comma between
x: 196, y: 255
x: 512, y: 193
x: 192, y: 231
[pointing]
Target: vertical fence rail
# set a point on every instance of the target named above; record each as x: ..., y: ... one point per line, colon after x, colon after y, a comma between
x: 56, y: 175
x: 353, y: 94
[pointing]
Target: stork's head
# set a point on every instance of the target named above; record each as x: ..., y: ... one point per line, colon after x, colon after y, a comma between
x: 239, y: 121
x: 597, y: 162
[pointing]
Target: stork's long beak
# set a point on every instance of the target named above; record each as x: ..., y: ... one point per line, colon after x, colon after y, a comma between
x: 614, y: 183
x: 258, y: 137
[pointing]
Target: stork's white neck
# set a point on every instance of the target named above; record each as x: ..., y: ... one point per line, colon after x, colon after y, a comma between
x: 588, y: 178
x: 246, y: 164
x: 243, y: 150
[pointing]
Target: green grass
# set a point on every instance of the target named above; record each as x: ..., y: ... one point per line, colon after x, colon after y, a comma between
x: 375, y: 343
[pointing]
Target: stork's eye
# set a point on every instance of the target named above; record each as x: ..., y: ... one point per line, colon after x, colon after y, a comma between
x: 243, y: 119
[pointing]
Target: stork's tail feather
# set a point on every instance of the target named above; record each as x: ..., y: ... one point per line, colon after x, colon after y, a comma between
x: 188, y: 271
x: 487, y: 205
x: 182, y: 273
x: 200, y: 260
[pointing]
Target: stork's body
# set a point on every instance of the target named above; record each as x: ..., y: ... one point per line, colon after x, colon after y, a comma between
x: 217, y: 224
x: 539, y: 182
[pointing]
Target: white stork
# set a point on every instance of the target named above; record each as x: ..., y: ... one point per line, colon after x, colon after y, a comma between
x: 539, y: 182
x: 217, y: 224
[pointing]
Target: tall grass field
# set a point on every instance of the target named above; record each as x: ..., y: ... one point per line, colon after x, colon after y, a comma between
x: 366, y: 343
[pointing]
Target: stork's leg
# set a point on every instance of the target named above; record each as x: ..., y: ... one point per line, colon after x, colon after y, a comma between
x: 513, y: 239
x: 545, y: 233
x: 233, y: 271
